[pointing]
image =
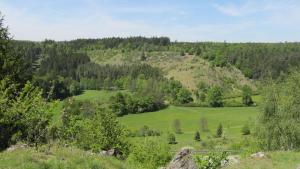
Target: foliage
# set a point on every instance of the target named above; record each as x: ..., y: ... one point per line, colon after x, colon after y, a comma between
x: 149, y: 154
x: 203, y: 124
x: 197, y: 136
x: 215, y: 97
x: 178, y: 93
x: 246, y: 98
x: 219, y: 131
x: 210, y: 161
x: 279, y: 121
x: 184, y: 96
x: 26, y: 117
x: 246, y: 130
x: 171, y: 138
x: 144, y: 132
x: 177, y: 126
x: 123, y: 104
x: 92, y: 128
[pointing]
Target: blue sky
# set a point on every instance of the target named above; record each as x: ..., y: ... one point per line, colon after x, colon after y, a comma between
x: 182, y: 20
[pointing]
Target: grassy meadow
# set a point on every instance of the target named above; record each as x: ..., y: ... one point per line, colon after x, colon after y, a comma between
x: 232, y: 119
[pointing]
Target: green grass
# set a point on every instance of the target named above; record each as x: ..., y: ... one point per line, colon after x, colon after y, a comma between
x: 232, y: 119
x: 275, y: 160
x: 97, y: 95
x: 57, y: 158
x: 257, y: 99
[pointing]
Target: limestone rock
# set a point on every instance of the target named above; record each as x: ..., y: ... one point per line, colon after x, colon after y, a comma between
x: 183, y: 160
x: 259, y: 155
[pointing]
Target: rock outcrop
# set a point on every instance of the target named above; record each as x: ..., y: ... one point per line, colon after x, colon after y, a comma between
x: 183, y: 160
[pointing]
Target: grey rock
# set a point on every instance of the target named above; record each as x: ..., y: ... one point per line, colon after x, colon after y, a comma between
x: 183, y: 160
x: 230, y: 160
x: 259, y: 155
x: 17, y: 146
x: 111, y: 152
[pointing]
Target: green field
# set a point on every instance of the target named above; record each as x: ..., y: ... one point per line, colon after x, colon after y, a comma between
x: 232, y: 119
x: 97, y: 95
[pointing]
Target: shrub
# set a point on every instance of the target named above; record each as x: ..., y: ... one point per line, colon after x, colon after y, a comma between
x: 247, y: 99
x: 24, y: 118
x: 177, y: 126
x: 100, y: 131
x: 146, y: 131
x: 279, y: 121
x: 210, y: 161
x: 245, y: 130
x: 219, y: 131
x: 197, y: 136
x: 203, y: 124
x: 149, y: 154
x: 171, y: 138
x: 215, y: 97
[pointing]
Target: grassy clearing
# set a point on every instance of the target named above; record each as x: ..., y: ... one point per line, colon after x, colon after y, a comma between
x: 232, y: 119
x: 97, y: 95
x: 69, y: 158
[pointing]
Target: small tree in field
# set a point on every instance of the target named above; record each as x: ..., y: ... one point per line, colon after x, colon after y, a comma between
x: 203, y: 124
x: 197, y: 136
x: 245, y: 130
x: 171, y: 139
x: 219, y: 131
x: 177, y: 126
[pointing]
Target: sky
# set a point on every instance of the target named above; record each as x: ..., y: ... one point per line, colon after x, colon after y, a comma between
x: 181, y: 20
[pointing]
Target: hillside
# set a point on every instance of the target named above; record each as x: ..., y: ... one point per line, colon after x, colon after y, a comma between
x: 190, y: 70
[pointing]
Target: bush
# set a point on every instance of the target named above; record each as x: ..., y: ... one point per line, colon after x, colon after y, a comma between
x: 247, y: 99
x: 219, y: 131
x: 211, y: 161
x: 203, y: 124
x: 149, y: 154
x: 171, y: 138
x: 245, y: 130
x: 144, y: 132
x: 197, y: 136
x: 24, y: 118
x: 98, y: 131
x: 215, y: 97
x: 279, y: 121
x: 177, y: 126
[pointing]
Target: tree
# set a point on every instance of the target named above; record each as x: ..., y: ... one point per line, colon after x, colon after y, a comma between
x: 184, y: 96
x: 25, y: 117
x: 171, y: 138
x: 219, y: 131
x: 197, y: 136
x: 203, y: 124
x: 119, y: 104
x: 215, y: 97
x: 247, y: 99
x: 177, y: 126
x: 143, y: 56
x: 279, y: 119
x: 245, y: 130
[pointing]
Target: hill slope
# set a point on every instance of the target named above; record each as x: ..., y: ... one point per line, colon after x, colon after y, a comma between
x: 190, y: 70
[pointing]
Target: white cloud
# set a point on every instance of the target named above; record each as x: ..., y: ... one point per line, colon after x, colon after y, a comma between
x: 253, y: 7
x: 100, y: 23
